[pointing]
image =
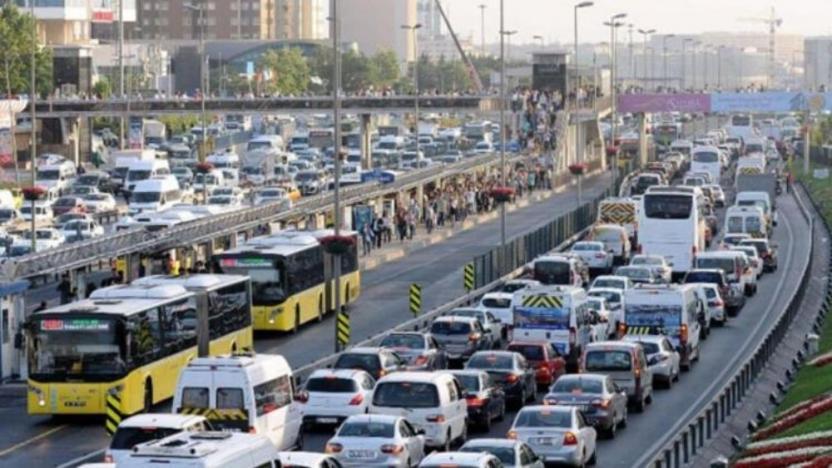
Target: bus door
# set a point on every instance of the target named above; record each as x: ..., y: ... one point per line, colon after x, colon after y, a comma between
x: 329, y: 281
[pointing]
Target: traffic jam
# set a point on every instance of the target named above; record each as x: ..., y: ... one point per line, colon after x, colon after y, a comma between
x: 567, y: 352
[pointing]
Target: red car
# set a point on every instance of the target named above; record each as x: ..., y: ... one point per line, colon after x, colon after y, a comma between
x: 548, y: 364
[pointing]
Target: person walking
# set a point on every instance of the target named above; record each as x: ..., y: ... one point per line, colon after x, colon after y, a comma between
x: 367, y: 238
x: 378, y: 230
x: 65, y: 289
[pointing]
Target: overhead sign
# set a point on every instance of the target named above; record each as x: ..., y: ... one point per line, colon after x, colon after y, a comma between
x: 769, y: 102
x: 648, y: 103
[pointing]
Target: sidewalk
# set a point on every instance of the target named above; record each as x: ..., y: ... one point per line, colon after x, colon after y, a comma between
x: 396, y: 249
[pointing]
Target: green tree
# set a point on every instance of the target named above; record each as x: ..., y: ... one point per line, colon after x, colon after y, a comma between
x: 102, y: 88
x: 386, y: 66
x: 289, y: 71
x: 15, y: 53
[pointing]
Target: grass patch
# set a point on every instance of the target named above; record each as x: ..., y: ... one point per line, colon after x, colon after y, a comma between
x: 822, y: 422
x: 810, y: 382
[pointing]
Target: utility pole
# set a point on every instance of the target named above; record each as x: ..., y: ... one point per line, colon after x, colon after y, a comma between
x: 33, y: 98
x: 644, y: 33
x: 502, y: 128
x: 239, y: 20
x: 614, y: 24
x: 336, y: 113
x: 631, y: 64
x: 120, y: 52
x: 482, y: 8
x: 577, y: 112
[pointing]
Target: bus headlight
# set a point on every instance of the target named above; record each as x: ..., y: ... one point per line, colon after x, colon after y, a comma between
x: 274, y: 313
x: 39, y: 394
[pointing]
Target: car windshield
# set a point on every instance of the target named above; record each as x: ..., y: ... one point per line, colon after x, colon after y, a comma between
x: 372, y: 429
x: 505, y: 454
x: 136, y: 174
x: 146, y: 197
x: 544, y: 418
x: 513, y: 287
x: 552, y: 272
x: 450, y: 328
x: 610, y: 296
x: 95, y: 197
x: 607, y: 360
x: 640, y: 273
x: 587, y: 247
x: 490, y: 362
x: 649, y: 347
x: 403, y: 341
x: 530, y: 352
x: 367, y: 362
x: 49, y: 174
x: 496, y: 302
x: 331, y: 384
x: 128, y: 437
x: 406, y: 395
x: 608, y: 283
x: 705, y: 157
x: 88, y: 180
x: 577, y: 385
x: 703, y: 277
x: 306, y: 176
x: 75, y: 348
x: 724, y: 264
x: 6, y: 215
x: 66, y: 202
x: 647, y: 261
x: 607, y: 235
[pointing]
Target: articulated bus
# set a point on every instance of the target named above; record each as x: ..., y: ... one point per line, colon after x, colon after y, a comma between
x: 130, y: 341
x: 289, y: 274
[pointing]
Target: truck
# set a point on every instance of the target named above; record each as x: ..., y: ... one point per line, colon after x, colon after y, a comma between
x: 766, y: 182
x: 155, y: 133
x: 621, y: 211
x: 257, y: 166
x: 120, y: 162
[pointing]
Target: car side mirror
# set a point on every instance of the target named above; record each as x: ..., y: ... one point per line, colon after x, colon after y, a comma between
x: 420, y: 431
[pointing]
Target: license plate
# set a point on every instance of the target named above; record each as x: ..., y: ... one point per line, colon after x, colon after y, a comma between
x: 544, y: 441
x: 327, y: 420
x: 362, y: 454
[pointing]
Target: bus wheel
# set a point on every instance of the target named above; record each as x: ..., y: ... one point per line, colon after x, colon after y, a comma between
x: 320, y: 309
x: 148, y: 396
x: 297, y: 319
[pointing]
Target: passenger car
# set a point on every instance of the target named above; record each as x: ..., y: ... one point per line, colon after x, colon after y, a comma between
x: 766, y: 250
x: 332, y: 395
x: 509, y: 370
x: 558, y: 434
x: 380, y: 440
x: 602, y: 403
x: 378, y: 362
x: 543, y: 357
x: 499, y: 305
x: 494, y: 329
x: 594, y: 255
x: 638, y: 274
x: 662, y: 359
x: 460, y: 337
x: 459, y: 459
x: 660, y: 266
x: 612, y: 281
x: 486, y: 400
x: 419, y: 350
x: 512, y: 453
x: 143, y: 428
x: 627, y: 365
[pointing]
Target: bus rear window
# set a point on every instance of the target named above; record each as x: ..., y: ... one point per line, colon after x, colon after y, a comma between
x: 552, y: 272
x: 705, y: 157
x: 668, y: 206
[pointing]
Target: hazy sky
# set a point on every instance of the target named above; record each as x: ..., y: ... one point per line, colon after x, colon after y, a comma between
x: 553, y: 19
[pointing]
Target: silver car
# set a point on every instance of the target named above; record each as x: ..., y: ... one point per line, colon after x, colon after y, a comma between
x: 368, y: 440
x: 558, y: 434
x: 657, y: 263
x: 601, y: 402
x: 662, y: 358
x: 512, y: 453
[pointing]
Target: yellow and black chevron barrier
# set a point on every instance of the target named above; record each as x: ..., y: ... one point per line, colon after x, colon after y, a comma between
x: 342, y: 333
x: 214, y: 414
x: 543, y: 300
x: 468, y: 277
x: 618, y: 213
x: 114, y: 414
x: 640, y: 330
x: 415, y: 299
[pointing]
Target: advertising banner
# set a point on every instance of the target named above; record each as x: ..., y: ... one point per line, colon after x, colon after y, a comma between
x: 771, y: 102
x: 637, y: 103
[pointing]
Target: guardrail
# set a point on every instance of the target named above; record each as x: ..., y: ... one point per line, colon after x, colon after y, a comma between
x: 423, y: 321
x: 684, y: 445
x: 78, y: 255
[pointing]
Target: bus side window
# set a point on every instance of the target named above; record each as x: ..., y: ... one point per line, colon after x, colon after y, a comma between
x: 146, y: 339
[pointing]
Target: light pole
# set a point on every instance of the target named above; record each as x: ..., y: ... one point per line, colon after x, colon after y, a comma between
x: 336, y: 115
x: 719, y: 67
x: 539, y: 38
x: 33, y: 154
x: 613, y: 24
x: 664, y: 58
x: 482, y: 8
x: 578, y: 155
x: 696, y: 45
x: 413, y: 30
x: 631, y: 67
x: 120, y: 52
x: 503, y: 175
x: 644, y: 34
x: 705, y: 52
x: 684, y: 81
x: 202, y: 58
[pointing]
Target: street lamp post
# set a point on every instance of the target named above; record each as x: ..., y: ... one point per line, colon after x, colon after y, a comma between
x: 613, y: 24
x: 705, y: 52
x: 539, y: 38
x: 644, y: 33
x: 696, y: 45
x: 719, y: 67
x: 33, y: 97
x: 503, y: 175
x: 120, y: 52
x: 684, y: 80
x: 482, y: 8
x: 200, y: 9
x: 578, y: 155
x: 664, y: 58
x: 413, y: 30
x: 336, y: 115
x: 631, y: 69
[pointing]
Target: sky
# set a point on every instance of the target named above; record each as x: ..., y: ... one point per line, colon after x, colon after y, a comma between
x: 553, y: 19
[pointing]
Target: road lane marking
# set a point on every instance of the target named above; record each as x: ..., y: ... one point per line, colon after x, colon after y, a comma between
x: 709, y: 392
x: 36, y: 438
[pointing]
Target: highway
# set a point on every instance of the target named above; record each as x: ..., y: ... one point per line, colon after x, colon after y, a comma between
x: 52, y: 441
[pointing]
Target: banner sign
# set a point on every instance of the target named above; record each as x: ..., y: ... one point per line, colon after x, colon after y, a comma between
x: 769, y: 102
x: 638, y: 103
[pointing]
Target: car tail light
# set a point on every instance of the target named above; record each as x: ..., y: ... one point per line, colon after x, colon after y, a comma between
x: 435, y: 418
x: 420, y: 360
x: 683, y: 333
x: 301, y: 397
x: 511, y: 435
x: 393, y: 449
x: 473, y: 337
x: 716, y: 303
x: 474, y: 401
x: 622, y: 329
x: 544, y: 368
x: 252, y: 430
x: 573, y: 337
x: 108, y: 458
x: 334, y: 448
x: 570, y: 439
x: 357, y: 399
x: 512, y: 378
x: 600, y: 403
x: 381, y: 373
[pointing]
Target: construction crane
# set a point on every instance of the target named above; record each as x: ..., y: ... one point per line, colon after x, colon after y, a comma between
x: 773, y: 22
x: 472, y: 70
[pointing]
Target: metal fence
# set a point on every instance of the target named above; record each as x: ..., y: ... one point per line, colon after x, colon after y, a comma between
x: 680, y: 448
x: 519, y: 251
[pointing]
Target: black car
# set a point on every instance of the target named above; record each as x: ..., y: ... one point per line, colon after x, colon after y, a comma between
x: 486, y: 400
x: 100, y: 180
x: 510, y: 371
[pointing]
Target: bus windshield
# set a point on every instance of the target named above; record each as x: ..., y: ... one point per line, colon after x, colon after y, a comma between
x: 75, y: 348
x: 266, y: 280
x: 667, y: 206
x: 705, y: 157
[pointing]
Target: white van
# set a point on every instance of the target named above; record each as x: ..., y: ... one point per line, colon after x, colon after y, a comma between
x: 560, y: 270
x: 143, y: 428
x: 209, y: 181
x: 205, y: 450
x: 432, y: 401
x: 143, y: 170
x: 735, y: 266
x: 706, y: 159
x: 557, y: 314
x: 224, y: 160
x: 670, y: 310
x: 760, y: 199
x: 155, y: 194
x: 266, y: 142
x: 746, y: 220
x: 244, y: 392
x: 56, y: 176
x: 682, y: 146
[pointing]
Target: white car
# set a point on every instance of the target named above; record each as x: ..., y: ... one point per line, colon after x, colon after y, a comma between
x: 603, y: 328
x: 143, y: 428
x: 499, y: 304
x: 99, y: 202
x: 558, y: 434
x: 307, y: 460
x: 512, y: 453
x: 225, y: 201
x: 716, y: 306
x: 495, y: 328
x: 594, y: 255
x: 43, y: 212
x: 333, y: 395
x: 615, y: 303
x: 460, y: 459
x: 271, y: 195
x: 717, y: 194
x: 45, y: 238
x: 81, y: 229
x: 757, y: 264
x: 377, y: 440
x: 730, y: 240
x: 612, y: 281
x: 657, y: 263
x: 515, y: 285
x: 662, y: 359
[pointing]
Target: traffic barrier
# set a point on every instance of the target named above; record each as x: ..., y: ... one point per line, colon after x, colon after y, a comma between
x: 469, y: 277
x: 676, y: 449
x: 415, y: 299
x: 114, y: 416
x: 343, y: 329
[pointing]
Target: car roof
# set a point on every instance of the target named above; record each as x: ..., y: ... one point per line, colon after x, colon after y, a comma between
x: 559, y: 408
x: 615, y: 290
x: 339, y: 373
x: 455, y: 318
x: 492, y: 352
x: 493, y: 442
x: 412, y: 376
x: 363, y: 350
x: 603, y: 345
x: 456, y: 457
x: 718, y: 254
x: 645, y: 338
x: 588, y: 376
x: 375, y: 417
x: 168, y: 420
x: 614, y: 277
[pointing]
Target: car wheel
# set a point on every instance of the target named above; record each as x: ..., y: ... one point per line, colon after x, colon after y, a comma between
x: 623, y: 423
x: 612, y: 429
x: 502, y: 414
x: 447, y: 446
x: 593, y: 459
x: 649, y: 399
x: 668, y: 384
x: 299, y: 440
x: 639, y: 407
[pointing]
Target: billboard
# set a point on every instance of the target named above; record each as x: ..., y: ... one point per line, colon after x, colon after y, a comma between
x: 768, y: 102
x: 686, y: 102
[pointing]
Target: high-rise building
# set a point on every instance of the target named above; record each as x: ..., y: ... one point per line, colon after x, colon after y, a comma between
x: 223, y: 19
x: 817, y: 61
x: 300, y: 19
x: 77, y: 21
x: 375, y: 25
x: 430, y: 19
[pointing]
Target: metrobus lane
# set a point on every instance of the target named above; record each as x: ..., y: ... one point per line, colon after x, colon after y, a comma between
x: 34, y: 440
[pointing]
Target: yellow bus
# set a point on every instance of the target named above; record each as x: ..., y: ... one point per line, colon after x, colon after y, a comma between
x: 131, y: 341
x: 291, y: 277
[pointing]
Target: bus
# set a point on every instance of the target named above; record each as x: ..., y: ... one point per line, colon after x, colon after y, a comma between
x: 671, y: 225
x: 290, y: 277
x: 131, y: 341
x: 706, y: 159
x: 742, y: 125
